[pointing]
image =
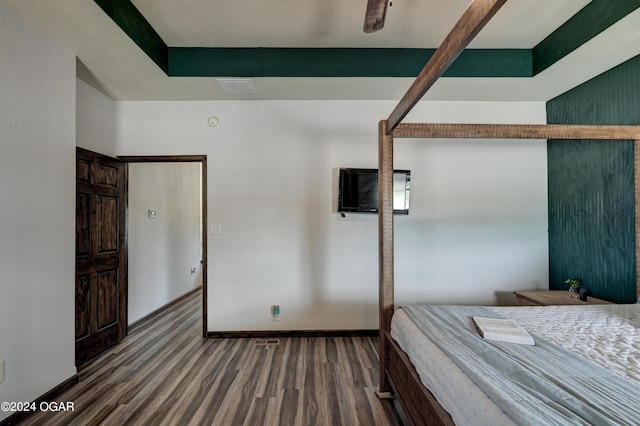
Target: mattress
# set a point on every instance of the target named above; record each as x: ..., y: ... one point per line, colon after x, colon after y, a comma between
x: 607, y: 334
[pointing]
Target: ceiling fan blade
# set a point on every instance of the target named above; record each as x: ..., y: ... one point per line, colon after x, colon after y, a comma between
x: 375, y: 15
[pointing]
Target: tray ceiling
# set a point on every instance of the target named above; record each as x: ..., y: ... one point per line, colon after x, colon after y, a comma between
x: 113, y: 61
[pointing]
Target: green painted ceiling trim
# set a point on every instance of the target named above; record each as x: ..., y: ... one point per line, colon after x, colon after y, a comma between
x: 345, y: 62
x: 131, y: 21
x: 590, y: 21
x: 340, y: 62
x: 291, y: 62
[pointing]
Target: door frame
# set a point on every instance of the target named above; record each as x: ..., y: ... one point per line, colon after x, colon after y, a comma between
x: 202, y: 159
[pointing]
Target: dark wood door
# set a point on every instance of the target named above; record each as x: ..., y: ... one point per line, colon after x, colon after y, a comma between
x: 100, y: 288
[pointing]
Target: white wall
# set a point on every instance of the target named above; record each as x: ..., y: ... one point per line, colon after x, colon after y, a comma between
x: 95, y: 120
x: 37, y: 210
x: 164, y: 249
x: 478, y: 221
x: 160, y: 261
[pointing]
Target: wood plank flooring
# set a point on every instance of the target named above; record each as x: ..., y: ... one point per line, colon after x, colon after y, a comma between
x: 165, y: 373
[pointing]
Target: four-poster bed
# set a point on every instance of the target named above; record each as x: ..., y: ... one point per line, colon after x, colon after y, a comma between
x: 398, y: 375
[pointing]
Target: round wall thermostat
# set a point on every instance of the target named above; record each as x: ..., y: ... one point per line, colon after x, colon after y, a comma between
x: 213, y: 121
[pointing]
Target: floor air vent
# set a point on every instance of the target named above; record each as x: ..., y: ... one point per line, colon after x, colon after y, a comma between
x: 263, y: 342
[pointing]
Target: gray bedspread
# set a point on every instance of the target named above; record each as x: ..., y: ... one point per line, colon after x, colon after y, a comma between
x: 541, y: 384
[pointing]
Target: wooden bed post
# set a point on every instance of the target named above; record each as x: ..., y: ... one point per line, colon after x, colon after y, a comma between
x: 385, y: 243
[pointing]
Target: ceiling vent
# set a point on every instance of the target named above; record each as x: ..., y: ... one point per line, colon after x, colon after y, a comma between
x: 234, y: 86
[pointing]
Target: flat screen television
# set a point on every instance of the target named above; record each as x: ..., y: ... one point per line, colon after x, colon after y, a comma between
x: 358, y: 191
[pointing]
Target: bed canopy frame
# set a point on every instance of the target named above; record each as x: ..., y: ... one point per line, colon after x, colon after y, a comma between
x: 477, y: 14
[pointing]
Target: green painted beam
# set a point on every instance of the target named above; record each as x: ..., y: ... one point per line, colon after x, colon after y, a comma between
x: 354, y: 62
x: 291, y: 62
x: 131, y: 21
x: 592, y: 20
x: 340, y: 62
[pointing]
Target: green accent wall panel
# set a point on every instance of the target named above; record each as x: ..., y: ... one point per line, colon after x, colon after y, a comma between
x: 591, y: 188
x: 591, y: 217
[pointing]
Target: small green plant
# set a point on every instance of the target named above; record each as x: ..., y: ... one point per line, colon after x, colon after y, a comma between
x: 573, y: 284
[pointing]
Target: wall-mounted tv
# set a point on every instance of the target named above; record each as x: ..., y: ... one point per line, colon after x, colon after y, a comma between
x: 358, y: 190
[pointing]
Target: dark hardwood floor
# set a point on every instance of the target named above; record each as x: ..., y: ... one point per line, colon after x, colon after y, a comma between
x: 165, y: 373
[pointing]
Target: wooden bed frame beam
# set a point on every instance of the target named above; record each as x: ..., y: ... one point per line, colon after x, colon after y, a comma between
x: 474, y: 18
x: 385, y: 242
x: 417, y: 401
x: 516, y: 131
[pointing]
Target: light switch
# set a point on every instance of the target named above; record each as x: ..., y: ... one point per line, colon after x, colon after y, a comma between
x: 215, y: 228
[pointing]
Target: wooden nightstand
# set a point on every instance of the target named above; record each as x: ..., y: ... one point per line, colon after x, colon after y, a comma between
x: 552, y: 297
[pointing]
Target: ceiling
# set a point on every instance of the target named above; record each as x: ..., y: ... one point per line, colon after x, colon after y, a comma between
x: 111, y: 61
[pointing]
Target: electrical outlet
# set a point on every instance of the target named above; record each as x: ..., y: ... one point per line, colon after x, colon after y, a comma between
x: 275, y: 312
x: 1, y: 371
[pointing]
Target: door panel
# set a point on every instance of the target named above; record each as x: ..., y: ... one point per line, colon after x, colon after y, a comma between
x: 83, y: 225
x: 106, y: 175
x: 108, y: 218
x: 82, y: 170
x: 82, y: 306
x: 100, y: 258
x: 107, y: 294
